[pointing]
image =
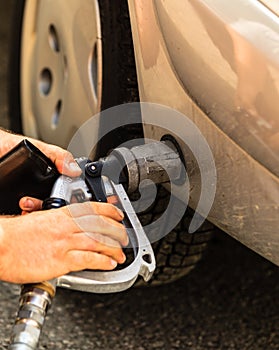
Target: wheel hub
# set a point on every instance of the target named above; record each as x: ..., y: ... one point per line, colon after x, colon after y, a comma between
x: 61, y: 67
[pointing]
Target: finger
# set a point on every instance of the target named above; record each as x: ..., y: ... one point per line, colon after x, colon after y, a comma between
x: 80, y: 260
x: 99, y: 244
x: 63, y: 160
x: 28, y: 204
x: 94, y: 208
x: 103, y: 225
x: 67, y: 165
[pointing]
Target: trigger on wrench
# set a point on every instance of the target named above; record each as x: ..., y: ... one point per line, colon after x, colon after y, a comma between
x: 93, y: 172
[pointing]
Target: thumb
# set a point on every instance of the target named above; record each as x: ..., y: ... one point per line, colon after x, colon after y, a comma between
x: 29, y: 204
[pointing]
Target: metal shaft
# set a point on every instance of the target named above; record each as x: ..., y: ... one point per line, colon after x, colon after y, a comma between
x: 35, y: 300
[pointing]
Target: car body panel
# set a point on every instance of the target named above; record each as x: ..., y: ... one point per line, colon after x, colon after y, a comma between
x: 172, y: 73
x: 273, y: 5
x: 231, y: 52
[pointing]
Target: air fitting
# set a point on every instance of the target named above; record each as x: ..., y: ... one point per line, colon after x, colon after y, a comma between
x: 35, y: 299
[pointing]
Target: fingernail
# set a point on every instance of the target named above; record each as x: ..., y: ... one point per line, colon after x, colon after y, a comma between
x: 73, y: 166
x: 28, y: 204
x: 113, y: 263
x: 126, y: 242
x: 123, y: 258
x: 120, y: 212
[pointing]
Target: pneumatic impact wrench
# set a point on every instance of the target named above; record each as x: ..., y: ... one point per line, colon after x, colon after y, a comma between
x: 108, y: 180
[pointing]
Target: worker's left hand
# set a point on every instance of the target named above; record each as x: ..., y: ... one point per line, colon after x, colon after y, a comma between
x: 63, y: 159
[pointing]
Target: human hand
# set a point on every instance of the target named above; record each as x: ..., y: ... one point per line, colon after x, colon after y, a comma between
x: 63, y: 159
x: 47, y: 244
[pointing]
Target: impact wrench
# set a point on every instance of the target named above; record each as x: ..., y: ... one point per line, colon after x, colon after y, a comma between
x: 110, y: 179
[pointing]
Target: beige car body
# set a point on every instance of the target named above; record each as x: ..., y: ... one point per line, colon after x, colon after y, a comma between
x: 217, y: 62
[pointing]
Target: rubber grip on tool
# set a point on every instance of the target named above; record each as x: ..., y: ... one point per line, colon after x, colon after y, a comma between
x: 53, y: 203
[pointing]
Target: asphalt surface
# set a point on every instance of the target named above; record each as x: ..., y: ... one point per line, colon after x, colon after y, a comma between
x: 230, y: 301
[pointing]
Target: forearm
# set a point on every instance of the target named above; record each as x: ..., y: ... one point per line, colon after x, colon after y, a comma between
x: 2, y: 247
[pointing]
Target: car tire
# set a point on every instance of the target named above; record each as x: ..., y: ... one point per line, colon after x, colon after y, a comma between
x: 178, y: 252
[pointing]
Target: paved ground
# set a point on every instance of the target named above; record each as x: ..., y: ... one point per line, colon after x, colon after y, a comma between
x: 229, y: 302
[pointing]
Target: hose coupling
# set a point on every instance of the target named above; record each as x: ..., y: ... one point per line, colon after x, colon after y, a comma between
x: 35, y: 300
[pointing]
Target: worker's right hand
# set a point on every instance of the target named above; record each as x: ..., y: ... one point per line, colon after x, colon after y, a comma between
x: 47, y: 244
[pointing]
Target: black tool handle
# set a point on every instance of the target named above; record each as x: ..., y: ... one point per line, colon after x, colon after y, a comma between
x: 53, y: 203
